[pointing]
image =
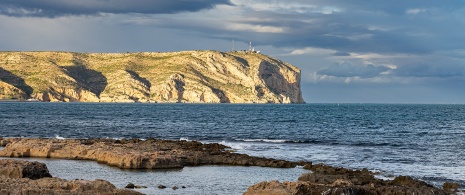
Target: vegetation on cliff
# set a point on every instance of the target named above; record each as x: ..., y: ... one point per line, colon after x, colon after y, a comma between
x: 189, y: 76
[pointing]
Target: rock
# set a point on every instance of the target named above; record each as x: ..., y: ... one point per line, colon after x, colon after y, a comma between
x: 8, y: 91
x: 23, y: 177
x: 334, y: 181
x: 136, y: 154
x: 175, y: 188
x: 23, y: 169
x: 130, y: 186
x: 451, y: 187
x: 161, y: 187
x: 324, y: 174
x: 183, y: 186
x: 58, y: 186
x: 407, y: 181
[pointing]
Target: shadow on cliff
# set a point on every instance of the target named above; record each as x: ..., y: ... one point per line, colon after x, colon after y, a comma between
x: 18, y: 82
x: 88, y: 79
x: 277, y: 83
x: 218, y: 92
x: 139, y: 78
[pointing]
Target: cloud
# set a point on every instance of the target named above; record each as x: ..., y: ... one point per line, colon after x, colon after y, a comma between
x: 312, y: 51
x: 414, y: 11
x: 340, y: 53
x: 350, y: 70
x: 255, y: 28
x: 55, y: 8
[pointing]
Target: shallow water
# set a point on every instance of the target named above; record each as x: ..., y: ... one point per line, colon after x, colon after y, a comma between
x: 197, y: 180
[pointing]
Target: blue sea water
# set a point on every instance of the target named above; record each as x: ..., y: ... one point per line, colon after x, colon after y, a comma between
x: 423, y: 141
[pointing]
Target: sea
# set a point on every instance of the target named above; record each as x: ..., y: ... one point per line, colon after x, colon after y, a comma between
x: 424, y: 141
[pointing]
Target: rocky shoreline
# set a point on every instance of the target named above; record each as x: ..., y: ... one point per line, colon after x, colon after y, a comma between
x: 163, y: 154
x: 24, y: 177
x: 136, y: 153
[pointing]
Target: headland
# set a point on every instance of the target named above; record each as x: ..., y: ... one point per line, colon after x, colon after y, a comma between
x: 172, y: 77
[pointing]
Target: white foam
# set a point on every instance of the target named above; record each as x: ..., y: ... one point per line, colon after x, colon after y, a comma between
x: 185, y: 139
x: 265, y: 140
x: 59, y: 137
x: 236, y: 145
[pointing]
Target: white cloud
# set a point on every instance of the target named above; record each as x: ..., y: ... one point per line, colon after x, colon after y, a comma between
x: 312, y: 51
x: 287, y: 7
x: 415, y: 11
x: 254, y: 28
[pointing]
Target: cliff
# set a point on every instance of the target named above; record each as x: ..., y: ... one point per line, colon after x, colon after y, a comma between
x: 188, y: 76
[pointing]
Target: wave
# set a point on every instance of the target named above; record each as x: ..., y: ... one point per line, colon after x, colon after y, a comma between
x: 59, y: 137
x: 275, y: 141
x: 264, y: 140
x: 185, y: 139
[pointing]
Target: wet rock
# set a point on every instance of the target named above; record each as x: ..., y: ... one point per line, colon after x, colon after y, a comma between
x: 161, y: 187
x: 175, y: 188
x: 451, y: 187
x: 407, y: 181
x: 183, y: 186
x: 130, y: 186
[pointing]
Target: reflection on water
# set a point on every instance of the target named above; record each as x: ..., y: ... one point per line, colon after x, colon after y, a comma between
x: 197, y: 180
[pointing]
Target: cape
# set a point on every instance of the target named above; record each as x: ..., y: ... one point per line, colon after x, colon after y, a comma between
x: 173, y: 77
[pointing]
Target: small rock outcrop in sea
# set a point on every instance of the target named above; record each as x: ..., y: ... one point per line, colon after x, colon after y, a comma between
x: 135, y: 153
x: 187, y: 76
x: 335, y: 181
x: 24, y: 177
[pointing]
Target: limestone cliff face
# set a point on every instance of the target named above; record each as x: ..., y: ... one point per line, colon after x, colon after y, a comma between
x: 8, y: 91
x: 189, y: 76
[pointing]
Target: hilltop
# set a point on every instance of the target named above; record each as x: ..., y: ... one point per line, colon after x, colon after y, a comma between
x: 187, y: 76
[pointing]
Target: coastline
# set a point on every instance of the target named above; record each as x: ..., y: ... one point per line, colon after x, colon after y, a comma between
x: 162, y: 154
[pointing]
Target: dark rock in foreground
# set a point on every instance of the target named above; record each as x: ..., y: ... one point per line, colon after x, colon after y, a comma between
x: 23, y: 169
x: 135, y: 153
x: 335, y: 181
x: 24, y: 177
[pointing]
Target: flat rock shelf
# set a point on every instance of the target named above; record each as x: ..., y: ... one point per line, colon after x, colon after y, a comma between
x: 167, y: 154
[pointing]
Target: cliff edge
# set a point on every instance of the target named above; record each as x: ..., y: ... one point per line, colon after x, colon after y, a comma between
x: 188, y: 76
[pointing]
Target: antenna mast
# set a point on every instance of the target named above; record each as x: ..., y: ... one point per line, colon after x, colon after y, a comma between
x: 232, y: 45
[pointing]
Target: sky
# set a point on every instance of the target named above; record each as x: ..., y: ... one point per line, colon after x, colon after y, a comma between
x: 353, y: 51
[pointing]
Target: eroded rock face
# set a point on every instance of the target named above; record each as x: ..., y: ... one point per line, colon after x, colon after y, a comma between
x: 189, y: 76
x: 135, y: 154
x: 335, y: 181
x: 8, y: 91
x: 24, y: 177
x: 23, y: 169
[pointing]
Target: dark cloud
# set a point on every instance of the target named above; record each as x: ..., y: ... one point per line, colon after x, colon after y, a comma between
x: 350, y: 70
x: 341, y: 31
x: 54, y: 8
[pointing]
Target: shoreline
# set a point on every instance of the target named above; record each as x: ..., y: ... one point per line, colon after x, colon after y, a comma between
x: 135, y: 153
x: 166, y: 154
